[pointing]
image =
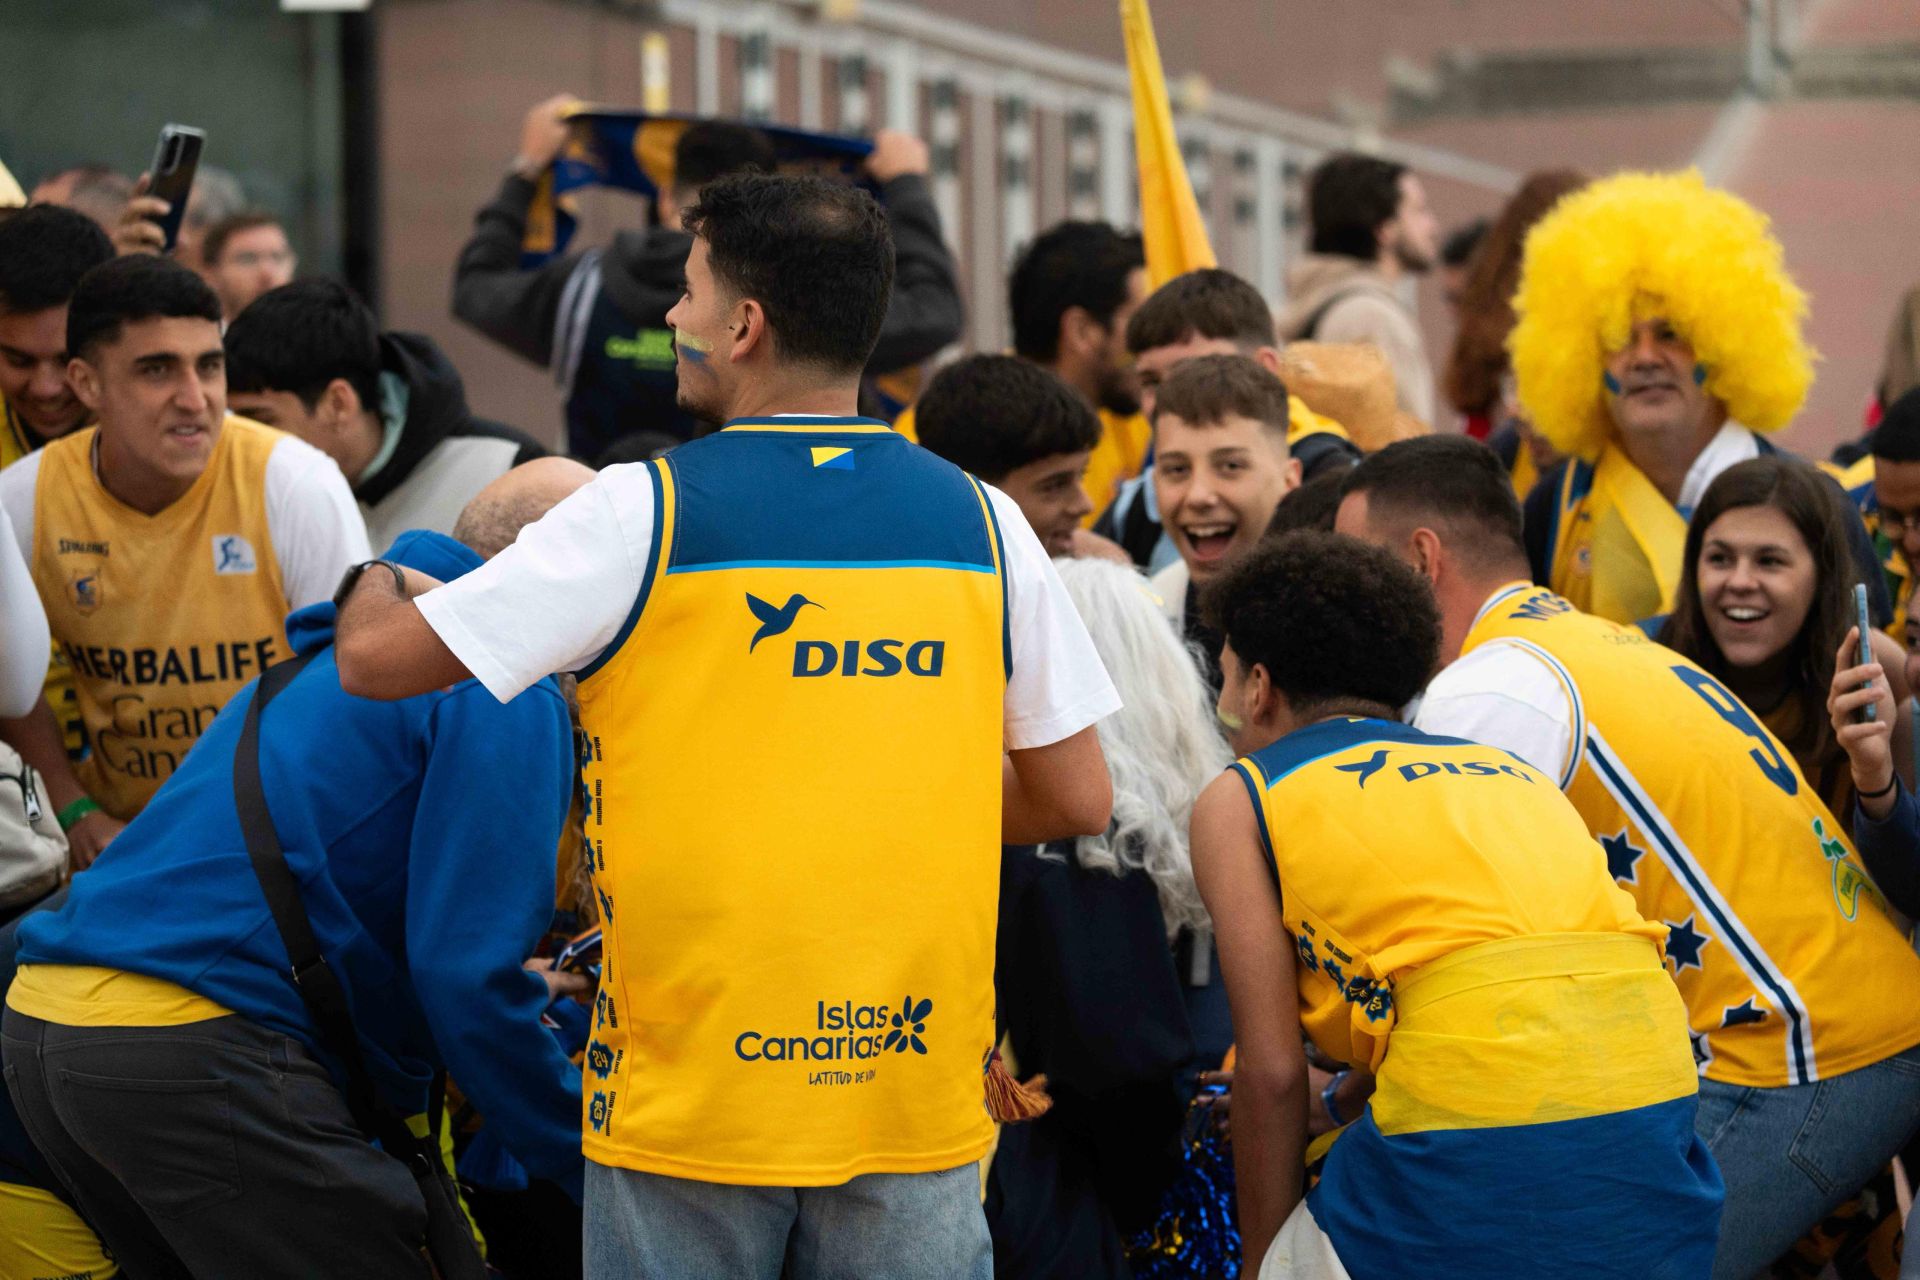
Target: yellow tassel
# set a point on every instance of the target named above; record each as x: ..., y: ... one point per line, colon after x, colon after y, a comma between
x: 1009, y: 1101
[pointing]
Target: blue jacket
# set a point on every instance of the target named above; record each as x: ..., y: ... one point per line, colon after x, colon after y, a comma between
x: 423, y: 833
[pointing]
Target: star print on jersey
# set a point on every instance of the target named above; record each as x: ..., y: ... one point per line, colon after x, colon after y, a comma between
x: 1702, y: 1051
x: 1684, y: 943
x: 1621, y: 856
x: 1742, y: 1014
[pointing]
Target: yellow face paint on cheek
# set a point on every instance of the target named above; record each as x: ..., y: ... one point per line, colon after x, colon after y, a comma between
x: 1233, y: 723
x: 693, y: 348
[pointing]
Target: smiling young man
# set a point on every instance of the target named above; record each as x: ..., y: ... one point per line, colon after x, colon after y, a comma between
x: 44, y: 250
x: 1221, y: 467
x: 1020, y: 429
x: 168, y: 542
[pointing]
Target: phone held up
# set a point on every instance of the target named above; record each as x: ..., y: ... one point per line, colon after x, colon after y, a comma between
x: 1865, y: 714
x: 175, y: 158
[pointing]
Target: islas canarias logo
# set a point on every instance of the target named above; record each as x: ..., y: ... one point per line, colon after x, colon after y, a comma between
x: 844, y: 1031
x: 884, y: 657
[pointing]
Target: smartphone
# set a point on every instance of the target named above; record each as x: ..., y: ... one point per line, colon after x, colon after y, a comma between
x: 1864, y: 714
x: 581, y: 955
x: 175, y: 158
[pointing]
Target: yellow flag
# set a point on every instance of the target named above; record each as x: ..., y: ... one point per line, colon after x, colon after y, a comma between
x: 1176, y: 238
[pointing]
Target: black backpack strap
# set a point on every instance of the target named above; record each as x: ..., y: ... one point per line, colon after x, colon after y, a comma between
x: 1309, y: 331
x: 319, y: 988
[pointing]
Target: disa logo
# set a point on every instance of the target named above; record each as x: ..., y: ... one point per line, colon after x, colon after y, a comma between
x: 1415, y: 770
x: 846, y: 657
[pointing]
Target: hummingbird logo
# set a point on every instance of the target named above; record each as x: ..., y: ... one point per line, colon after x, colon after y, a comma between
x: 1365, y: 768
x: 775, y: 621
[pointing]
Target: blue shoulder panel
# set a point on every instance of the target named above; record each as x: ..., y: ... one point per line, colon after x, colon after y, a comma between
x: 812, y: 496
x: 1317, y: 741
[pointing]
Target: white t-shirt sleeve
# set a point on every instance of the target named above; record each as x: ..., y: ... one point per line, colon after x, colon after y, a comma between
x: 1058, y: 686
x: 315, y: 525
x: 1512, y: 697
x: 23, y: 628
x: 556, y: 598
x: 17, y: 484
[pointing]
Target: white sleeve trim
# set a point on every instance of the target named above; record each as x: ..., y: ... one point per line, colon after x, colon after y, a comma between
x: 1514, y: 695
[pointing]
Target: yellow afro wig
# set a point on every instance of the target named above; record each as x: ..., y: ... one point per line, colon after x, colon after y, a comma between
x: 1640, y: 245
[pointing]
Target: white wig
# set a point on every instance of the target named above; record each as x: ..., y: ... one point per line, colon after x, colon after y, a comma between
x: 1163, y: 745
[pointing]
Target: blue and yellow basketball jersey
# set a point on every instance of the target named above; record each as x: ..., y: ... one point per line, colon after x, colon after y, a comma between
x: 1790, y: 965
x: 1457, y: 933
x: 794, y: 814
x: 1857, y: 481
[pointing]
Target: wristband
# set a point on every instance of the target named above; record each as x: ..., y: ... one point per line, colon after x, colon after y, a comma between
x: 1875, y: 795
x: 351, y: 579
x: 69, y: 817
x: 1326, y: 1096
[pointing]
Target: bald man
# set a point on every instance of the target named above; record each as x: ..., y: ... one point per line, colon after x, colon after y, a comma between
x: 422, y: 834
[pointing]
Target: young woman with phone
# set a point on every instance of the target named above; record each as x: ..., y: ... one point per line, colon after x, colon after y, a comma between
x: 1764, y: 602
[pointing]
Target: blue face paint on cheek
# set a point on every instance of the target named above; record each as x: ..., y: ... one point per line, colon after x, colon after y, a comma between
x: 1699, y: 375
x: 1612, y: 383
x: 692, y: 348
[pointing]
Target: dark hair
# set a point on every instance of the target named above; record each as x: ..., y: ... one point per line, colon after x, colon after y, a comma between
x: 1816, y: 507
x: 138, y: 286
x: 993, y: 414
x: 1331, y: 618
x: 816, y: 255
x: 230, y: 226
x: 711, y: 149
x: 1209, y: 303
x: 1209, y: 388
x: 1457, y: 249
x: 1897, y: 438
x: 637, y: 446
x: 1314, y: 503
x: 44, y: 250
x: 1073, y: 264
x: 302, y: 336
x: 1479, y: 358
x: 1349, y: 198
x: 1449, y: 480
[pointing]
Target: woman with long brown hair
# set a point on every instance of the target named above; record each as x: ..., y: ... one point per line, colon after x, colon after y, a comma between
x: 1764, y: 602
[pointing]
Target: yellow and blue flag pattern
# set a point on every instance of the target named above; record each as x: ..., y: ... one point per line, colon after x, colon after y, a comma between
x: 1457, y: 932
x: 633, y: 151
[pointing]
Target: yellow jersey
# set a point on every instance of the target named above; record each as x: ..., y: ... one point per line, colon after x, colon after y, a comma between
x: 1458, y: 934
x: 793, y: 777
x: 163, y: 617
x: 1790, y: 965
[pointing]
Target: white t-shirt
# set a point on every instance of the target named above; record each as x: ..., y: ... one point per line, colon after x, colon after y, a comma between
x: 23, y: 631
x: 1505, y: 694
x: 311, y: 516
x: 557, y: 597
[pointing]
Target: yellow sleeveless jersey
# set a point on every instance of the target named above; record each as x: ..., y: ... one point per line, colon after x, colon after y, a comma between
x: 1457, y: 934
x: 1791, y: 967
x: 162, y: 617
x: 793, y: 778
x: 1395, y: 847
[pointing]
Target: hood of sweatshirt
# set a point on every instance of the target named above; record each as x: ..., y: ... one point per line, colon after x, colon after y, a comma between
x: 422, y: 549
x: 1316, y: 278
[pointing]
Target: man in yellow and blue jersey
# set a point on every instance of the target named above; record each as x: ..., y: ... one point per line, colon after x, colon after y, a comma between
x: 1798, y: 982
x: 1434, y: 911
x: 823, y: 676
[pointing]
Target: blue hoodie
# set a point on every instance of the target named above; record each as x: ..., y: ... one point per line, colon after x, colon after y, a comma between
x: 423, y: 833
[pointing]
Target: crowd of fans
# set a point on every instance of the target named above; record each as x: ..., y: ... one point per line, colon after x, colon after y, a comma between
x: 1502, y: 859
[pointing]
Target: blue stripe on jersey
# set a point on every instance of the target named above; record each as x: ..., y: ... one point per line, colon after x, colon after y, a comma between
x: 747, y: 496
x: 1329, y: 737
x: 646, y: 578
x: 1632, y: 1195
x: 1704, y: 895
x: 1246, y: 769
x: 831, y: 564
x: 1000, y: 553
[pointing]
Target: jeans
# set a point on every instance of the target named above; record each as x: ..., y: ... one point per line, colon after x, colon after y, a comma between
x: 1790, y: 1155
x: 879, y: 1226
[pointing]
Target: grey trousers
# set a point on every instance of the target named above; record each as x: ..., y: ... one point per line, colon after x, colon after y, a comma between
x: 213, y: 1150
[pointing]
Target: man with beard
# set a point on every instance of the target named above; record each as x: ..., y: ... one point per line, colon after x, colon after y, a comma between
x: 1371, y: 229
x: 1072, y: 293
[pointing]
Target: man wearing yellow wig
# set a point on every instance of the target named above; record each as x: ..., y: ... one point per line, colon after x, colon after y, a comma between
x: 1658, y: 337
